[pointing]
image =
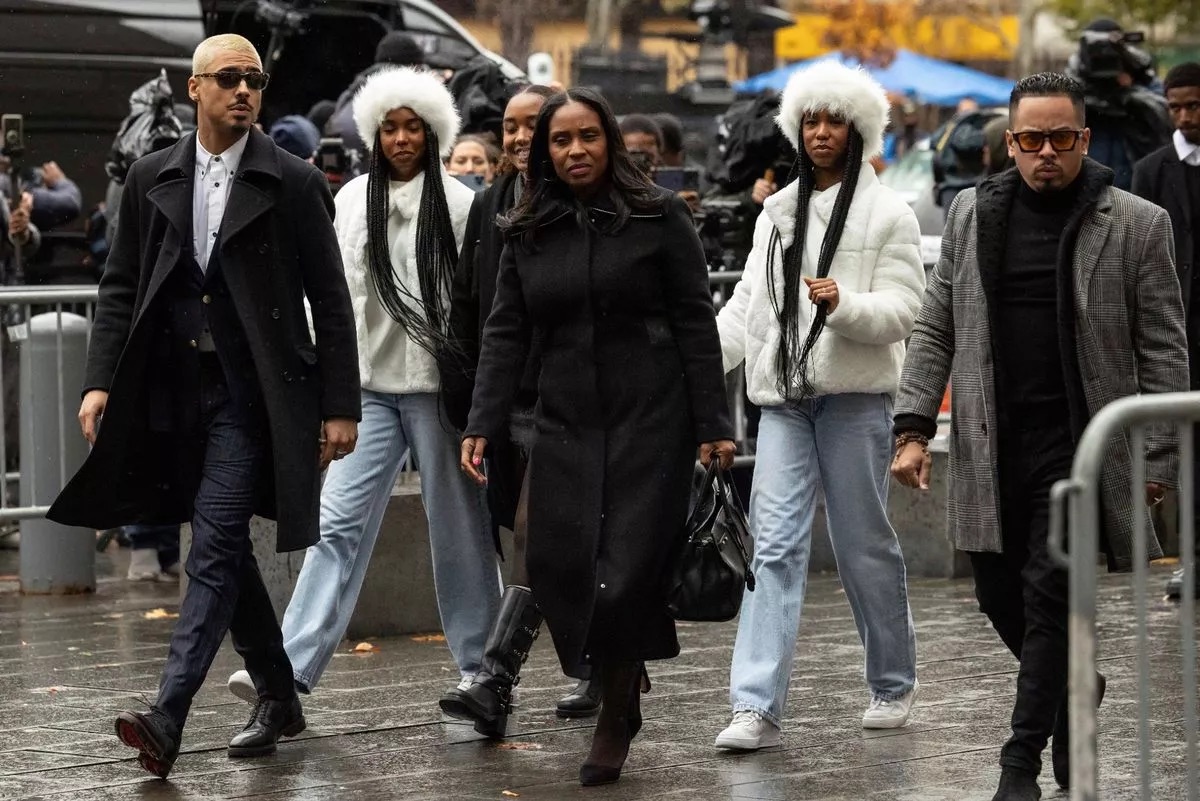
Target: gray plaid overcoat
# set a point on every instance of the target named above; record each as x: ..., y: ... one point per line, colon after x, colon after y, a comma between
x: 1130, y: 338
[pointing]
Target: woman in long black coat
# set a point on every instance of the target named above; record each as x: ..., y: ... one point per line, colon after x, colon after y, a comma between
x: 605, y: 270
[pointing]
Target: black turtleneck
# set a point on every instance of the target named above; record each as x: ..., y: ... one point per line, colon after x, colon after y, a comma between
x: 1032, y: 381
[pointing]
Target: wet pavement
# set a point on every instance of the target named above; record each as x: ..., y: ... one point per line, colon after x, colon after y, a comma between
x: 68, y: 665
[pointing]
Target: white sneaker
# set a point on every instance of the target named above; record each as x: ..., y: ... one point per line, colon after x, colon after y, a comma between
x: 143, y: 565
x: 890, y: 714
x: 749, y: 731
x: 241, y: 685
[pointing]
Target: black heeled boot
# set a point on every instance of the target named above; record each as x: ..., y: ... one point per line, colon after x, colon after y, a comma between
x: 619, y: 722
x: 1017, y: 785
x: 488, y: 701
x: 1060, y: 744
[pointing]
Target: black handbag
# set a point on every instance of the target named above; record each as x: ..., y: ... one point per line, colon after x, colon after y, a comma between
x: 712, y: 569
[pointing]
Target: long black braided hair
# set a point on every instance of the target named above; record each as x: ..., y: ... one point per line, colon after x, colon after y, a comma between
x: 425, y: 317
x: 793, y: 382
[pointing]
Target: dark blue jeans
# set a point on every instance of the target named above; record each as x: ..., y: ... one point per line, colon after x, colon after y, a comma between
x: 164, y: 539
x: 225, y: 591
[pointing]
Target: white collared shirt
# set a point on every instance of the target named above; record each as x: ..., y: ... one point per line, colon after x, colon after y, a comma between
x: 214, y: 180
x: 1188, y: 153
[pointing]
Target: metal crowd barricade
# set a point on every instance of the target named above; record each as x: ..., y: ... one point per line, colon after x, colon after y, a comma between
x: 1077, y: 500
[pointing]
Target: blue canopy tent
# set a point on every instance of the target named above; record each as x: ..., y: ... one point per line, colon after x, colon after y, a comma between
x: 927, y: 80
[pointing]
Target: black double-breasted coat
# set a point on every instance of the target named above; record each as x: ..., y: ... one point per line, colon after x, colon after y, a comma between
x: 631, y: 382
x: 277, y: 247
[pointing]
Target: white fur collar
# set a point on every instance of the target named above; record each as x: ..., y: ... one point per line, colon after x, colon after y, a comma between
x: 849, y: 92
x: 402, y: 87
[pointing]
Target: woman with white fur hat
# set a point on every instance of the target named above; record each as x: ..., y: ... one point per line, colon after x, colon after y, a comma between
x: 401, y: 229
x: 830, y: 292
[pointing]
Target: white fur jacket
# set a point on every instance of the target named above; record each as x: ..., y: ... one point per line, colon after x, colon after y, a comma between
x: 880, y: 278
x: 350, y: 221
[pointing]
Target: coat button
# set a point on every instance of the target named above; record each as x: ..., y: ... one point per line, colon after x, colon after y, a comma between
x: 604, y: 586
x: 206, y: 299
x: 263, y: 249
x: 287, y: 376
x: 274, y: 314
x: 193, y: 343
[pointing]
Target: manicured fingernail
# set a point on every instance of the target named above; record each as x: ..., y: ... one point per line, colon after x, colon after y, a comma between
x: 476, y: 460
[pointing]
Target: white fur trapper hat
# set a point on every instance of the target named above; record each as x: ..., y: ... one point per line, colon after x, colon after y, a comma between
x: 849, y: 92
x: 402, y: 87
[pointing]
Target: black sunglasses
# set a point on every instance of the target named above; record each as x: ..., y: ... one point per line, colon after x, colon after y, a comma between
x: 1033, y: 141
x: 231, y: 79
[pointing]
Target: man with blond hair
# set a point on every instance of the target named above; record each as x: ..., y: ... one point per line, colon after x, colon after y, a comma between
x: 216, y: 403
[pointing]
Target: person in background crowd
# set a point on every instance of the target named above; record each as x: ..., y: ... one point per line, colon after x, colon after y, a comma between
x: 671, y: 153
x: 831, y: 291
x: 400, y: 228
x: 607, y: 272
x: 18, y: 237
x: 320, y: 113
x: 1054, y: 296
x: 643, y: 139
x: 488, y: 701
x: 56, y: 198
x: 215, y: 401
x: 474, y: 155
x: 297, y: 135
x: 395, y: 49
x: 995, y: 147
x: 1170, y: 178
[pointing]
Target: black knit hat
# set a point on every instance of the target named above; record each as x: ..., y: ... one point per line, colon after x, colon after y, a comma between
x: 399, y: 48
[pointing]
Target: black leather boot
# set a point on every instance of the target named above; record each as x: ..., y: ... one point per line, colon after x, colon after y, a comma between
x: 582, y: 702
x: 488, y: 701
x: 269, y: 721
x: 1017, y: 785
x: 154, y: 735
x: 1060, y: 745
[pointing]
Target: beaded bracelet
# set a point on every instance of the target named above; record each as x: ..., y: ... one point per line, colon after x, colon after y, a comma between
x: 909, y: 437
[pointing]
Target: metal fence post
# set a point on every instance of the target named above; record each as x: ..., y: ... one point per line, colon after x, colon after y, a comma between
x: 54, y: 559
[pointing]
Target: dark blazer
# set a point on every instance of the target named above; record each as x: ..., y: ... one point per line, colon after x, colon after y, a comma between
x: 277, y: 248
x: 1160, y: 179
x: 631, y: 382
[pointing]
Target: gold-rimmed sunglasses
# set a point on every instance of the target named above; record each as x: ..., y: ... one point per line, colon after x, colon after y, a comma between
x: 231, y: 79
x: 1034, y: 141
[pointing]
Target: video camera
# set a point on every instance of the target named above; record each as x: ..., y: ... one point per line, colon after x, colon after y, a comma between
x: 12, y: 136
x: 1105, y: 55
x: 339, y: 163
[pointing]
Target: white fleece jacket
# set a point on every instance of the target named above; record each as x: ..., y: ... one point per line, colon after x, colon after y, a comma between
x: 880, y: 278
x: 415, y: 365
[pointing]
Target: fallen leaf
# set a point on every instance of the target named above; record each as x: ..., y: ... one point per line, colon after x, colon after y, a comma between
x: 366, y: 648
x: 511, y: 746
x: 429, y: 638
x: 510, y: 794
x: 160, y: 614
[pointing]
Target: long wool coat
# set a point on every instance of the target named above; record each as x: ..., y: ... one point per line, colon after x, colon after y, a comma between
x: 277, y: 248
x: 1128, y: 332
x: 631, y: 382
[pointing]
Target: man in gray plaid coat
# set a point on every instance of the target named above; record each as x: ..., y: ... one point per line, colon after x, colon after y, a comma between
x: 1055, y: 294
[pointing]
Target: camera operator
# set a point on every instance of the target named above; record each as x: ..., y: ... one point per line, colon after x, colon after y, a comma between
x: 1125, y: 112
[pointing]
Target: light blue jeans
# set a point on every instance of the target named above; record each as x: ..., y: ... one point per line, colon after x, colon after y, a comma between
x: 353, y: 501
x: 844, y: 444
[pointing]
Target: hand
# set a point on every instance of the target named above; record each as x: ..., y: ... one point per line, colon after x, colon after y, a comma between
x: 1154, y: 493
x: 763, y: 189
x: 18, y: 224
x: 823, y: 290
x: 722, y: 449
x: 52, y: 174
x: 90, y: 413
x: 471, y: 459
x: 913, y: 466
x: 339, y: 436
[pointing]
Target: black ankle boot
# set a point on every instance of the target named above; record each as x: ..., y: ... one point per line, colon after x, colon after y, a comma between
x: 488, y: 701
x: 1060, y: 745
x: 1017, y: 785
x: 582, y: 702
